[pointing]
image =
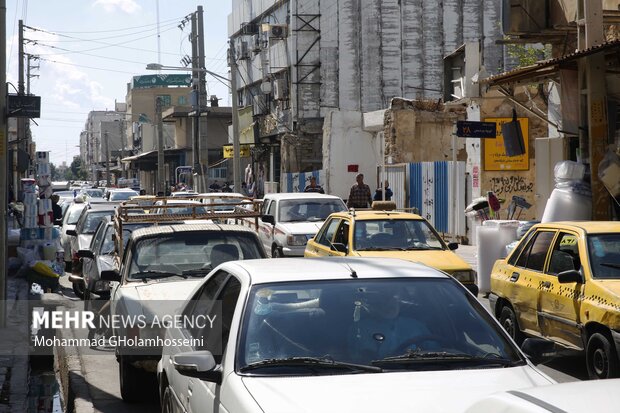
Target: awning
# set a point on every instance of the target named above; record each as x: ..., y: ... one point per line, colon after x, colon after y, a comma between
x: 138, y: 156
x: 549, y: 68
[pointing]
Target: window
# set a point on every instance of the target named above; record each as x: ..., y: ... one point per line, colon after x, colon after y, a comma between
x: 216, y: 338
x: 202, y: 301
x: 342, y: 234
x: 534, y: 255
x: 165, y: 100
x: 520, y: 248
x: 327, y: 235
x: 271, y: 209
x: 565, y: 254
x: 182, y: 100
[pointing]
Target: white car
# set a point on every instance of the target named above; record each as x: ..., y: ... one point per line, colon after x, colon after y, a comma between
x: 600, y: 396
x: 68, y: 223
x: 337, y: 335
x: 290, y: 219
x: 160, y: 266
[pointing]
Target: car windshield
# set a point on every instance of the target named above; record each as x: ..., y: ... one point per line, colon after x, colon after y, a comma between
x: 122, y: 195
x: 395, y: 234
x: 604, y: 253
x: 190, y: 253
x: 294, y: 210
x: 108, y: 242
x: 394, y: 324
x: 93, y: 193
x: 223, y: 204
x: 92, y: 219
x: 187, y: 210
x: 74, y: 215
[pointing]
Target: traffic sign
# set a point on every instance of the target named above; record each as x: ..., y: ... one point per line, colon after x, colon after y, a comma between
x: 471, y: 129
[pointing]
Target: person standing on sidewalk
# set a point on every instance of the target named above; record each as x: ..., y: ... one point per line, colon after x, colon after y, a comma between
x: 313, y: 187
x: 388, y: 192
x: 360, y: 195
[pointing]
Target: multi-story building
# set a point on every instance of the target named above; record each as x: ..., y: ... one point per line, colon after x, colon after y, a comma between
x: 95, y: 139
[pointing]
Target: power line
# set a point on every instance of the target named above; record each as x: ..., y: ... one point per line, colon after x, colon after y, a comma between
x: 86, y: 67
x: 117, y: 30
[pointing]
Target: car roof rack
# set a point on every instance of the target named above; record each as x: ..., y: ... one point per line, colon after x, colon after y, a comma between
x: 161, y: 212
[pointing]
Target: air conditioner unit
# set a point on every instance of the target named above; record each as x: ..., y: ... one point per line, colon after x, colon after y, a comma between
x: 249, y: 28
x: 280, y: 91
x: 278, y: 31
x: 242, y: 50
x: 259, y: 105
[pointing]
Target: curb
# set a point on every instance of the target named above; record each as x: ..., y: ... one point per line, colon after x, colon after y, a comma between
x: 68, y: 365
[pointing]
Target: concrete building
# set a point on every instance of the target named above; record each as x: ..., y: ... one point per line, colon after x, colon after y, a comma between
x: 93, y: 152
x: 311, y: 69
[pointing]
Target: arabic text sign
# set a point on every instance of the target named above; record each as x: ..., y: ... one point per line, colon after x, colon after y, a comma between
x: 23, y: 106
x: 470, y: 129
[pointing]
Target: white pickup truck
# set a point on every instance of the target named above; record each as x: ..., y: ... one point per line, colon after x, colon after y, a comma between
x: 289, y: 220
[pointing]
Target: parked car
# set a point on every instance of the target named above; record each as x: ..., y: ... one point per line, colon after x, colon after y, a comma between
x: 575, y: 397
x: 81, y: 237
x: 290, y: 219
x: 338, y: 334
x: 100, y: 256
x: 70, y: 218
x: 160, y: 266
x: 562, y: 282
x: 121, y: 194
x: 389, y: 234
x: 91, y: 193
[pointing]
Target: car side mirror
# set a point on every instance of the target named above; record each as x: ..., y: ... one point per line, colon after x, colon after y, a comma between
x: 86, y: 254
x: 110, y: 275
x: 72, y: 232
x: 570, y: 276
x: 269, y: 219
x: 538, y: 350
x: 453, y: 245
x: 198, y: 364
x: 340, y: 247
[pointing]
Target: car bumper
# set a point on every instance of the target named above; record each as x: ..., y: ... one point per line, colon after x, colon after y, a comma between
x: 293, y: 251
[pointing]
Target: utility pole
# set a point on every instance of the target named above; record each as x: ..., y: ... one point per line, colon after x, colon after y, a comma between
x: 235, y: 118
x: 161, y: 179
x: 3, y: 167
x: 107, y: 159
x: 202, y: 101
x: 122, y: 165
x: 197, y: 166
x: 592, y: 82
x: 22, y: 141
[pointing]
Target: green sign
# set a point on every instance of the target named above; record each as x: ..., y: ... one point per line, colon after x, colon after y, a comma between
x: 146, y: 81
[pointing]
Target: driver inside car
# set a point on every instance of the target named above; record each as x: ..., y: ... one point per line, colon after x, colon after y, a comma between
x: 380, y: 329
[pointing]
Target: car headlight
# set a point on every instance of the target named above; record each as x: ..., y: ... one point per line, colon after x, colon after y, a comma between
x: 297, y: 240
x: 102, y: 285
x: 465, y: 277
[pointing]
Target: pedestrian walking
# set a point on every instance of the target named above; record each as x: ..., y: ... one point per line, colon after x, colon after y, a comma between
x: 379, y: 192
x: 360, y: 195
x: 313, y: 187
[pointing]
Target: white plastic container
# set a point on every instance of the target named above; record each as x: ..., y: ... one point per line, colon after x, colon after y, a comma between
x: 567, y: 205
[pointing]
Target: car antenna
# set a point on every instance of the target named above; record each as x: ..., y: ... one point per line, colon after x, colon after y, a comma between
x: 353, y: 273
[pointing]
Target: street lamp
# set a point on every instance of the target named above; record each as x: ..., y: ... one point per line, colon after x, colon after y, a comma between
x: 227, y: 83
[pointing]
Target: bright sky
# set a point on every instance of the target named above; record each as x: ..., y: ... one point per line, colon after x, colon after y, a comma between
x: 90, y: 49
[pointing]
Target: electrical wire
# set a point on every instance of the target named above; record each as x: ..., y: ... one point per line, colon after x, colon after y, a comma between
x: 86, y: 67
x: 119, y: 30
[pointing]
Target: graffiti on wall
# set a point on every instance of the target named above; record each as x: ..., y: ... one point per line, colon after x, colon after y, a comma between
x: 510, y: 184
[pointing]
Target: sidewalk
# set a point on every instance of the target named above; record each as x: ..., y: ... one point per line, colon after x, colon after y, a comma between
x: 14, y: 364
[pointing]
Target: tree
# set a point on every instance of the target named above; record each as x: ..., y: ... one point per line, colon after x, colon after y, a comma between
x: 77, y: 170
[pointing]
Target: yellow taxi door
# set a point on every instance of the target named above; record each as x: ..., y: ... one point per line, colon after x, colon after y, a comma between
x: 525, y: 278
x: 322, y: 244
x: 559, y: 303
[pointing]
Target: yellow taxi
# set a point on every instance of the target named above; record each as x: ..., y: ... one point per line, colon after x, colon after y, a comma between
x: 562, y: 282
x: 391, y: 234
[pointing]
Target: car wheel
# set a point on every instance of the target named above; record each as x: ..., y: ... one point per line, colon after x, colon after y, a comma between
x: 508, y: 320
x: 276, y: 252
x: 166, y: 402
x: 78, y: 289
x: 130, y: 381
x: 601, y: 357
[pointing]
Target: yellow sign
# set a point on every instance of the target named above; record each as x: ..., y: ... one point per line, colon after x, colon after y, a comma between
x: 568, y: 241
x: 495, y: 158
x: 244, y: 151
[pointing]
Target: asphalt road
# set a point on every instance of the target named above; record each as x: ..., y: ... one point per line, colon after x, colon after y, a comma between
x: 100, y: 370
